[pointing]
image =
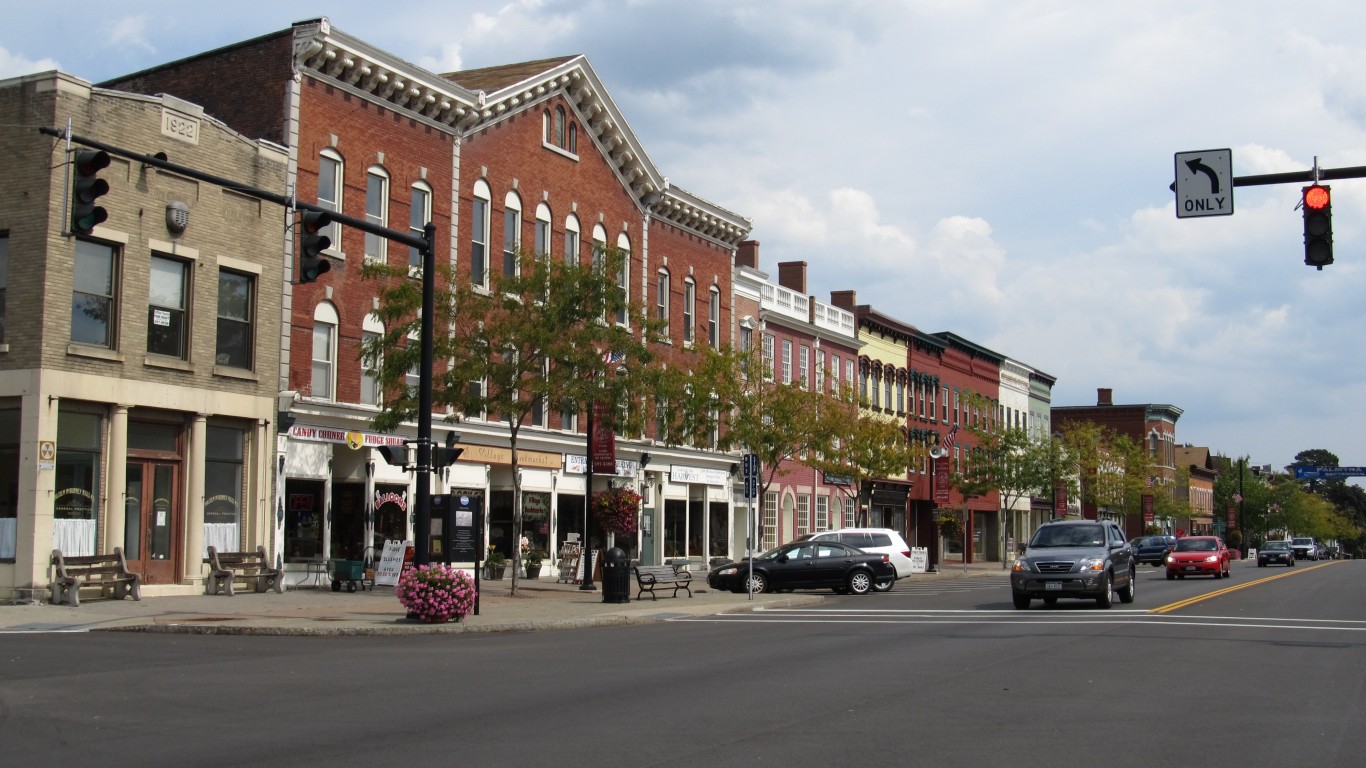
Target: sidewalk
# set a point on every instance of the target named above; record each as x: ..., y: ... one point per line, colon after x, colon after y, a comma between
x: 540, y: 604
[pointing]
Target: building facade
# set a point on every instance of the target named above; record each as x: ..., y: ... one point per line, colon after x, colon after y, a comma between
x: 139, y: 364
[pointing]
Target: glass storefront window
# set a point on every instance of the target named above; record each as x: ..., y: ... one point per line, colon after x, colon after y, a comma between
x: 76, y: 483
x: 9, y: 482
x: 303, y: 520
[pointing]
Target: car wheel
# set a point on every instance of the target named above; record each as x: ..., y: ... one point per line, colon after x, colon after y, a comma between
x: 860, y: 582
x: 757, y: 584
x: 1127, y: 595
x: 1107, y: 594
x: 1021, y: 601
x: 884, y: 586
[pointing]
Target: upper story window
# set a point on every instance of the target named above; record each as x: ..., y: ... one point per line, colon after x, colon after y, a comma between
x: 571, y: 240
x: 624, y: 276
x: 542, y: 233
x: 372, y: 330
x: 768, y: 357
x: 714, y: 317
x: 804, y: 366
x: 323, y: 382
x: 419, y: 213
x: 377, y: 213
x: 236, y: 319
x: 787, y: 361
x: 94, y: 308
x: 479, y: 235
x: 512, y: 234
x: 330, y: 192
x: 662, y: 298
x: 900, y: 396
x: 835, y: 374
x: 167, y: 306
x: 560, y: 130
x: 689, y: 304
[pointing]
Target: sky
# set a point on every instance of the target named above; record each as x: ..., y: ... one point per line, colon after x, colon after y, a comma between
x: 999, y: 169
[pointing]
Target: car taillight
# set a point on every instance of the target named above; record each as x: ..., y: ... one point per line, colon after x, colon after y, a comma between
x: 886, y: 559
x: 906, y: 553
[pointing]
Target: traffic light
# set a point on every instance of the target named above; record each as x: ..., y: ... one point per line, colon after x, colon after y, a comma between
x: 1318, y: 225
x: 312, y: 243
x: 446, y: 456
x: 86, y: 188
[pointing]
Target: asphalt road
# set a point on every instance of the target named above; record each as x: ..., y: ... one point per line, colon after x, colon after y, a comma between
x: 1268, y: 669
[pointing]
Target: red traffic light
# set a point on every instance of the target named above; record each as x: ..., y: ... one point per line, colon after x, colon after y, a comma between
x: 1316, y: 198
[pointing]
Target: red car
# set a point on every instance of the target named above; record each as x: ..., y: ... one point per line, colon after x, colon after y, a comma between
x: 1199, y: 556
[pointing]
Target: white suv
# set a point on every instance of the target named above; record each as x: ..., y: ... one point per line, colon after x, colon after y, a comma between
x: 884, y: 541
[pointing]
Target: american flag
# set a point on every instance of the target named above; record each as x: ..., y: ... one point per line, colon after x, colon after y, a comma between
x: 611, y: 357
x: 947, y: 441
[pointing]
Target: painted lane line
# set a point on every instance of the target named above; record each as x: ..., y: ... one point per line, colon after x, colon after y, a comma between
x: 1226, y: 590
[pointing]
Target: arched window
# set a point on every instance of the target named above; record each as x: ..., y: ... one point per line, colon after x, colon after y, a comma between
x: 571, y: 239
x: 689, y: 310
x: 559, y: 127
x: 419, y: 213
x: 714, y: 317
x: 479, y: 235
x: 662, y: 299
x: 624, y: 276
x: 512, y: 233
x: 323, y: 384
x: 542, y: 235
x: 372, y: 330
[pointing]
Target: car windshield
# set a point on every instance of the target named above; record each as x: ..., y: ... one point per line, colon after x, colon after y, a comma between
x: 1068, y: 536
x: 1196, y: 545
x: 1277, y: 545
x: 1304, y: 542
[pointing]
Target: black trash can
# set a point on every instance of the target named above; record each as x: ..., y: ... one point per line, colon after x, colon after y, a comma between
x: 616, y: 576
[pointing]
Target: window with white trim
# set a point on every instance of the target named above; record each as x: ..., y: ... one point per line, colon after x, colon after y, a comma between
x: 330, y: 167
x: 787, y: 361
x: 512, y: 234
x: 236, y: 331
x: 479, y: 235
x: 770, y: 533
x: 624, y: 277
x: 662, y: 298
x: 541, y: 235
x: 803, y: 514
x: 689, y: 302
x: 94, y: 300
x: 804, y: 366
x: 714, y: 317
x: 324, y: 352
x: 419, y: 213
x: 571, y: 240
x: 822, y: 513
x: 372, y: 330
x: 768, y: 357
x: 377, y: 213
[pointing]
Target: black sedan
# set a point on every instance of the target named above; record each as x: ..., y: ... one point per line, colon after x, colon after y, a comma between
x: 806, y: 565
x: 1275, y: 553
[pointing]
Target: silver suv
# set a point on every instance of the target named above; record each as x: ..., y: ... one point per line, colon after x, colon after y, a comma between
x: 1087, y: 559
x: 1305, y: 548
x: 883, y: 541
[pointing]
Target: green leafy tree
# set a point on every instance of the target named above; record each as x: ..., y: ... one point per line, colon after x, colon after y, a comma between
x: 535, y: 341
x: 864, y: 446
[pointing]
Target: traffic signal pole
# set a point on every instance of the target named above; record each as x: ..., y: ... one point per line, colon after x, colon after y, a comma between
x: 426, y: 245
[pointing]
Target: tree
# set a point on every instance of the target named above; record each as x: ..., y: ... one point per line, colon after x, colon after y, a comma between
x: 537, y: 339
x: 863, y: 446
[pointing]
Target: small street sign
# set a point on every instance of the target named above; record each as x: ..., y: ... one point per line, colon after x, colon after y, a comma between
x: 1318, y: 473
x: 1204, y: 183
x: 751, y: 468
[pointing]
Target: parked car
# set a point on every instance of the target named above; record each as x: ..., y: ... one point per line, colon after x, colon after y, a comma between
x: 1327, y: 553
x: 806, y: 565
x: 1199, y: 556
x: 1275, y: 553
x: 1086, y: 559
x: 1305, y: 547
x: 1153, y: 549
x: 882, y: 540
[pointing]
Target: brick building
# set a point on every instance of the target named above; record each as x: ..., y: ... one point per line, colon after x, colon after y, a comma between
x: 529, y: 156
x: 139, y: 362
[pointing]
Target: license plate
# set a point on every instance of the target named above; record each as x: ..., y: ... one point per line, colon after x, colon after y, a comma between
x: 1190, y: 567
x: 1052, y: 586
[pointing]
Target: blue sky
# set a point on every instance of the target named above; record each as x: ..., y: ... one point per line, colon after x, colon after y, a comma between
x: 996, y: 169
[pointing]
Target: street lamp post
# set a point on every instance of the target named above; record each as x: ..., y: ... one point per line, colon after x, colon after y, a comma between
x: 587, y: 556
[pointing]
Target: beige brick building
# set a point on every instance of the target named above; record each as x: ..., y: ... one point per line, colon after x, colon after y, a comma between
x: 139, y: 365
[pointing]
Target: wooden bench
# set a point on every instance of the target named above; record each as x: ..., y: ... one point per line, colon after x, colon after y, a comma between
x: 227, y: 567
x: 648, y: 577
x: 108, y: 573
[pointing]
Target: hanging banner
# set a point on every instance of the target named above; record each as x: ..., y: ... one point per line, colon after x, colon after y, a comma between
x: 941, y: 480
x: 603, y: 442
x: 1147, y: 507
x: 1060, y: 502
x: 1232, y: 518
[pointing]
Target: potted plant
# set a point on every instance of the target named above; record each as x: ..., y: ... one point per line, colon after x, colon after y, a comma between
x: 533, y: 558
x: 950, y: 527
x: 495, y: 563
x: 436, y: 593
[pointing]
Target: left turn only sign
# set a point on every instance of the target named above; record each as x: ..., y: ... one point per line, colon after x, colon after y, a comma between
x: 1204, y: 183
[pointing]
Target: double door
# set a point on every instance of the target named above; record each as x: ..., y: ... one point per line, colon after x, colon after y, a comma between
x: 152, y: 520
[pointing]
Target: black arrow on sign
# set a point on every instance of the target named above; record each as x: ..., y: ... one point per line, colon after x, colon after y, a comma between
x: 1198, y: 167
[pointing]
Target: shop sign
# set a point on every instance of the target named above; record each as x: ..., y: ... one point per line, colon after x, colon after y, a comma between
x: 353, y: 439
x: 488, y: 454
x: 577, y: 464
x: 682, y: 474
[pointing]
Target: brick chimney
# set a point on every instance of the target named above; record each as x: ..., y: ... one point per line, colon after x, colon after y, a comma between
x: 1104, y: 396
x: 747, y: 254
x: 792, y: 276
x: 843, y: 299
